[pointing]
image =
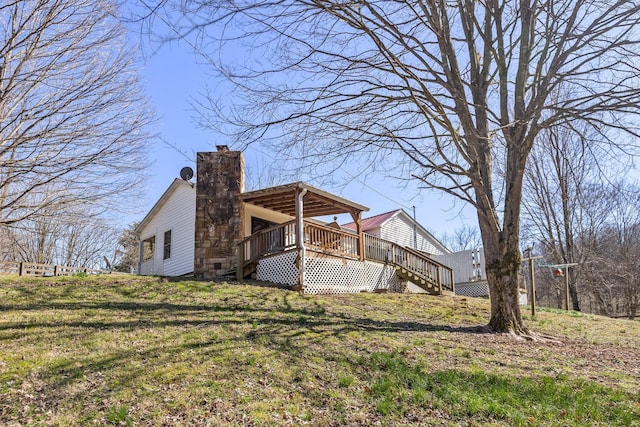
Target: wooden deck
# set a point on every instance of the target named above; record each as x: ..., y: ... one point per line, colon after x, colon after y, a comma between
x: 415, y: 266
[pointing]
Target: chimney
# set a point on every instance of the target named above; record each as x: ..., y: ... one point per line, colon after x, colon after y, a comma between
x: 220, y: 180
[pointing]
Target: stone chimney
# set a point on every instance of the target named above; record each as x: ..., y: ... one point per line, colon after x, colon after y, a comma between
x: 220, y: 180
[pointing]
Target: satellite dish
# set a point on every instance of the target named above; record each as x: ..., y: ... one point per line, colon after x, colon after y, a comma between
x: 186, y: 173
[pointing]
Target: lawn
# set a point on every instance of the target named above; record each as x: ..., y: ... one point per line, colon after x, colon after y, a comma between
x: 124, y: 350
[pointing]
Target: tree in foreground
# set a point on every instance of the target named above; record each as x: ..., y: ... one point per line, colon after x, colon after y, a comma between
x: 451, y: 93
x: 73, y: 122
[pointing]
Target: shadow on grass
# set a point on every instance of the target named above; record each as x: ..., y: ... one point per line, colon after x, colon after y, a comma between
x: 154, y: 314
x: 161, y: 333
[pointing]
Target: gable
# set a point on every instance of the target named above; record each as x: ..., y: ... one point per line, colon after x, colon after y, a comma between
x: 397, y: 226
x: 180, y: 189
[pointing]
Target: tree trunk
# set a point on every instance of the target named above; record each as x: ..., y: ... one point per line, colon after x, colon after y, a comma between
x: 502, y: 245
x: 502, y: 269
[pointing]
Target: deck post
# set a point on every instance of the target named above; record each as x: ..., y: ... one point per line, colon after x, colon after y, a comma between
x: 300, y: 236
x: 357, y: 218
x: 240, y: 268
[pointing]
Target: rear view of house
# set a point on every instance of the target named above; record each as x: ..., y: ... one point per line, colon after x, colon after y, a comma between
x: 219, y: 230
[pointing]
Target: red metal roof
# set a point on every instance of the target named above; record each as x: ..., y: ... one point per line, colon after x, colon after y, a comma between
x: 373, y: 222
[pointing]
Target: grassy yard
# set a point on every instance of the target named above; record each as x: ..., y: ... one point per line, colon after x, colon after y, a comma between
x: 123, y: 350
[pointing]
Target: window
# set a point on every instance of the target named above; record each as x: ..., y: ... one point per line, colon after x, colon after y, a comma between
x: 167, y: 244
x: 148, y: 248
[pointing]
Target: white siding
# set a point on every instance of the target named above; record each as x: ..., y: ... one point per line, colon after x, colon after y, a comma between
x: 468, y: 266
x: 178, y: 215
x: 401, y: 231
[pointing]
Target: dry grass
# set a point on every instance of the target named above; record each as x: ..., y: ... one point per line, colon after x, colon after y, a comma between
x: 123, y: 350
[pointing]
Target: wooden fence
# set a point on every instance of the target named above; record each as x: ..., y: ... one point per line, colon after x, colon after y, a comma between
x: 35, y: 269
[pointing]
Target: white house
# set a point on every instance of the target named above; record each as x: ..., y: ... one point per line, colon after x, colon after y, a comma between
x: 167, y: 232
x: 398, y: 227
x: 218, y: 230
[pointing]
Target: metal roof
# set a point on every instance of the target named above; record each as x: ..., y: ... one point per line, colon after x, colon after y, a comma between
x: 374, y: 221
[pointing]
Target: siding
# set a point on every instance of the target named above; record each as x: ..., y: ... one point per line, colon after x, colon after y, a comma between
x: 259, y: 212
x: 400, y: 231
x: 468, y: 266
x: 178, y: 215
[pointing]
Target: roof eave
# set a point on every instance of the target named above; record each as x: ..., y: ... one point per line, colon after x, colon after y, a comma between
x: 158, y: 205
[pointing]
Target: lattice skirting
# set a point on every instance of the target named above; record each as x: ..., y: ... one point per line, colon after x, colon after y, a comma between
x: 331, y: 275
x: 327, y: 274
x: 473, y: 289
x: 281, y: 269
x: 481, y: 289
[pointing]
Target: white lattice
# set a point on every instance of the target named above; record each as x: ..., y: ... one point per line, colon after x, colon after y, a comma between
x: 326, y: 274
x: 383, y: 277
x: 279, y: 268
x: 473, y: 289
x: 332, y: 275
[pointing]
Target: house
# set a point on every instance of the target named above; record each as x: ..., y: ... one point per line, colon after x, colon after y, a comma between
x: 166, y: 232
x: 397, y: 226
x: 271, y: 235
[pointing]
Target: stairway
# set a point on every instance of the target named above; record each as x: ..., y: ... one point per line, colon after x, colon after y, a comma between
x: 424, y: 282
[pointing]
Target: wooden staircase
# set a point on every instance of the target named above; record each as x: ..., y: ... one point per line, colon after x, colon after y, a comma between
x: 424, y: 282
x: 412, y: 265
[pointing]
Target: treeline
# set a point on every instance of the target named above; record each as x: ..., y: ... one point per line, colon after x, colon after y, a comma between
x: 74, y: 131
x: 582, y: 208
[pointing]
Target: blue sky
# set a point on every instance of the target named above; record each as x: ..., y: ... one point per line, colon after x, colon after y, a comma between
x: 172, y: 76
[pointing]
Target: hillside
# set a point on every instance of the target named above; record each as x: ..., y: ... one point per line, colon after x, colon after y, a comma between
x: 124, y: 350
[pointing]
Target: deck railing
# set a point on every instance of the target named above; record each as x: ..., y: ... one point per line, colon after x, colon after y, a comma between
x: 321, y: 238
x: 268, y: 241
x: 378, y: 249
x: 283, y: 236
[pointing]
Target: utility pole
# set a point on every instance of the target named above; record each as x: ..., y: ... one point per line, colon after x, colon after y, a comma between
x: 532, y: 297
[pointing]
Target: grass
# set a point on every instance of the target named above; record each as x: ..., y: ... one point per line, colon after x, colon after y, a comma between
x: 123, y: 350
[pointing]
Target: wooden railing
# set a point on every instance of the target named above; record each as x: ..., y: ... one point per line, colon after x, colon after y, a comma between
x: 35, y: 269
x: 321, y: 238
x: 265, y: 242
x: 378, y: 249
x: 326, y: 239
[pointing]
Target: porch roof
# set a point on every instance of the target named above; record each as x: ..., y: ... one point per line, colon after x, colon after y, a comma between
x: 317, y: 202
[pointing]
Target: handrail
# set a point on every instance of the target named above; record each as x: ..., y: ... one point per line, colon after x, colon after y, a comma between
x: 270, y: 240
x: 327, y: 239
x: 322, y: 238
x: 382, y: 250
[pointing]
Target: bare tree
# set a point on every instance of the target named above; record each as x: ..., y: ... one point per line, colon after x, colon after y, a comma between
x: 564, y: 180
x: 77, y: 239
x: 604, y: 223
x: 462, y: 239
x: 453, y: 93
x: 613, y: 273
x: 73, y: 123
x: 126, y: 254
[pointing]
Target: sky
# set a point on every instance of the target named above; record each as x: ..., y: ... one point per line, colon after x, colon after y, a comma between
x: 172, y: 77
